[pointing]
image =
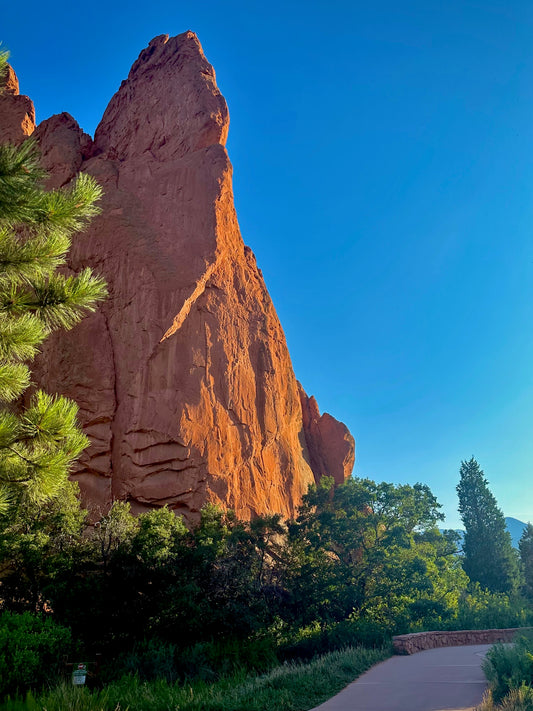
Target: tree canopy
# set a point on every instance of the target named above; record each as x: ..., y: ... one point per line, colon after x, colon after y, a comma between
x: 372, y: 550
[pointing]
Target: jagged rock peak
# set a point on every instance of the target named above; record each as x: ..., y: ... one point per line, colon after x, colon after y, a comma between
x: 168, y: 106
x: 331, y: 446
x: 9, y: 83
x: 17, y: 114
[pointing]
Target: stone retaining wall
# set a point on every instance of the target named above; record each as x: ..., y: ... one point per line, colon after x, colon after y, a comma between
x: 417, y: 642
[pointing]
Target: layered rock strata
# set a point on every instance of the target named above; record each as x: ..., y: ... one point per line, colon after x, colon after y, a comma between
x: 183, y: 376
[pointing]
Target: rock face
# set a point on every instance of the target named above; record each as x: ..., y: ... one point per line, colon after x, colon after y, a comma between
x: 17, y: 115
x: 331, y: 446
x: 183, y: 376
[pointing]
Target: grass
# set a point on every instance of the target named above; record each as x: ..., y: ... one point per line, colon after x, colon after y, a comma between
x: 291, y: 687
x: 516, y: 700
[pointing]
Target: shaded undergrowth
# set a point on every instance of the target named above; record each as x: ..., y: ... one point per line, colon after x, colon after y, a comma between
x: 290, y: 687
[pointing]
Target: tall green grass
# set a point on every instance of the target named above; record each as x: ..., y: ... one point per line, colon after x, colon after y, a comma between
x: 516, y: 700
x: 290, y: 687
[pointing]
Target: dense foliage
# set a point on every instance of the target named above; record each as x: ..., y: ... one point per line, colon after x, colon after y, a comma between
x: 526, y: 556
x: 361, y: 551
x: 361, y: 562
x: 31, y: 651
x: 372, y: 551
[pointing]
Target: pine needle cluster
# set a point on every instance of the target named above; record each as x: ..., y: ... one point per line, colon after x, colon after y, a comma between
x: 39, y: 443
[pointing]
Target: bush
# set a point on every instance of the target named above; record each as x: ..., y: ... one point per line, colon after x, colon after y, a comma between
x: 313, y: 640
x: 204, y: 661
x: 509, y: 667
x: 32, y: 649
x: 481, y: 609
x: 147, y: 660
x: 210, y: 660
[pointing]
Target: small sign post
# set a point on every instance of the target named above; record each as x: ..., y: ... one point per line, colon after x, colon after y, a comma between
x: 79, y: 674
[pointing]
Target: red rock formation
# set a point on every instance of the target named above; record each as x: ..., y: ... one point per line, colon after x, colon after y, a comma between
x: 17, y: 115
x: 331, y: 446
x: 183, y: 376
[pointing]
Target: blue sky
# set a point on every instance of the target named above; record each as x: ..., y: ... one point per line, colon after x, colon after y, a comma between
x: 383, y: 177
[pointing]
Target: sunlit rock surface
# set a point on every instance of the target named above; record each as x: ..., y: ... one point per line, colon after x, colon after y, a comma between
x: 183, y: 377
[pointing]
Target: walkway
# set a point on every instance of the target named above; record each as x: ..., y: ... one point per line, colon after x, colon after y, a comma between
x: 445, y: 679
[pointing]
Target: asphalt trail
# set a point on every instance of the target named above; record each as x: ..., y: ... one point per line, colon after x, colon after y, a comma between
x: 445, y: 679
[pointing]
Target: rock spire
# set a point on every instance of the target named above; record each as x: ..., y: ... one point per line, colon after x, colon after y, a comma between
x: 183, y: 377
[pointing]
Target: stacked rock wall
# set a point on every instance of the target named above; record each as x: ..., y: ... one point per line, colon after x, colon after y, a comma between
x: 419, y: 641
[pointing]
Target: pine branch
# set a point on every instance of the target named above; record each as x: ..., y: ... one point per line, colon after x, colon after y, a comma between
x: 19, y: 337
x: 23, y: 201
x: 21, y: 198
x: 4, y: 56
x: 51, y: 419
x: 23, y: 259
x: 6, y: 499
x: 63, y: 301
x: 14, y: 379
x: 38, y: 447
x: 69, y: 210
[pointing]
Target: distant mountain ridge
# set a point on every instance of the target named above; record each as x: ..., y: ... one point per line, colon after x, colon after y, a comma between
x: 514, y: 526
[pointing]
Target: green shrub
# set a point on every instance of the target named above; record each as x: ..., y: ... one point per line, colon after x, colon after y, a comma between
x: 149, y: 659
x: 509, y: 667
x: 32, y: 649
x: 204, y: 661
x: 211, y: 660
x: 313, y: 640
x: 481, y: 609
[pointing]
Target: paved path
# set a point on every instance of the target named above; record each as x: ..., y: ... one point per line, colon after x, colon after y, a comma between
x: 445, y: 679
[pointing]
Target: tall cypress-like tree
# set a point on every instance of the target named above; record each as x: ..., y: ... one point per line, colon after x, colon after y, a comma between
x: 489, y: 558
x: 38, y: 443
x: 525, y: 546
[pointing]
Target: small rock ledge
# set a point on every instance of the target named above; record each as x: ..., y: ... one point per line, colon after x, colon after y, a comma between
x: 419, y: 641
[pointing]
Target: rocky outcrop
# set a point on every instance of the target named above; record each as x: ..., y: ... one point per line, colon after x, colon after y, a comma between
x: 17, y: 114
x: 329, y: 442
x: 183, y: 376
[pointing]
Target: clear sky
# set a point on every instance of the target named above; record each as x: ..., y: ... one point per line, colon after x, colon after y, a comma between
x: 383, y: 175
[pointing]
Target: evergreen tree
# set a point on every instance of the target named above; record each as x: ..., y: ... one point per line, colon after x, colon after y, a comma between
x: 488, y: 556
x: 39, y: 443
x: 525, y: 546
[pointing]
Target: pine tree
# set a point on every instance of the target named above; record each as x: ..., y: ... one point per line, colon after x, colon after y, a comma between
x: 525, y: 546
x: 38, y: 443
x: 488, y: 555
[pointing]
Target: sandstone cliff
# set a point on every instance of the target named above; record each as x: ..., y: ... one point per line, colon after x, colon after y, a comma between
x: 183, y: 376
